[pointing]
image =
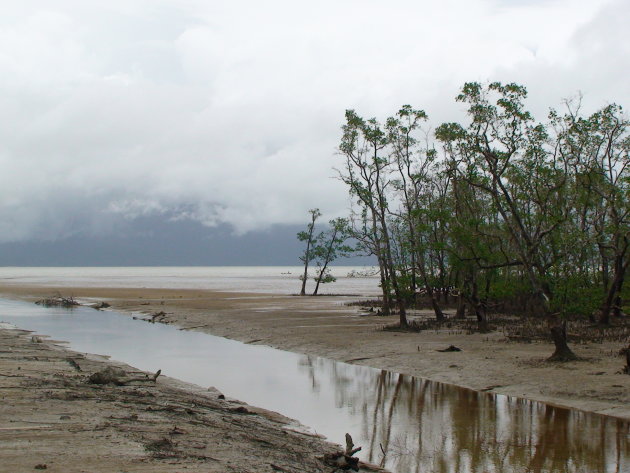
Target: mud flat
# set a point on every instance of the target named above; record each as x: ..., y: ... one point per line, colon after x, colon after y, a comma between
x: 52, y: 418
x: 325, y: 326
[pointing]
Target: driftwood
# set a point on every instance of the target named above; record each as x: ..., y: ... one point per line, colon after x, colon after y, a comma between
x: 207, y: 325
x: 99, y: 305
x: 58, y: 301
x: 118, y: 376
x: 344, y: 460
x: 158, y: 316
x: 450, y: 348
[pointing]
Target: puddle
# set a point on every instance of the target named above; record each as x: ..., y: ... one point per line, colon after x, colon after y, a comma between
x: 407, y: 424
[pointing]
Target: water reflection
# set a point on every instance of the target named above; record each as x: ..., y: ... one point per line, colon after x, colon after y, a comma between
x: 405, y: 423
x: 414, y: 425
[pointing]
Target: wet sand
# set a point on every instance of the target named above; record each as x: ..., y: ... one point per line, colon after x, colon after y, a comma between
x: 52, y: 419
x: 325, y: 326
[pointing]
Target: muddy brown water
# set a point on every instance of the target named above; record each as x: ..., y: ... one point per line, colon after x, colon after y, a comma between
x: 404, y: 423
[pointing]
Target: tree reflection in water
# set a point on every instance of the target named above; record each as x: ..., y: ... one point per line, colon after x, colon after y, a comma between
x: 409, y: 424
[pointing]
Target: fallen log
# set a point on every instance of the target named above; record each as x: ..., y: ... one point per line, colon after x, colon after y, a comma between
x: 450, y: 348
x: 118, y: 377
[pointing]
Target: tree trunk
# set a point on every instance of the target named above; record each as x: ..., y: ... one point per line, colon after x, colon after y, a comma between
x: 319, y: 279
x: 315, y: 214
x: 557, y: 328
x: 303, y: 290
x: 412, y: 239
x: 559, y: 337
x: 461, y: 306
x: 482, y: 320
x: 386, y: 309
x: 442, y: 277
x: 306, y: 261
x: 605, y: 271
x: 392, y: 272
x: 486, y: 294
x: 480, y: 311
x: 316, y: 287
x: 439, y: 315
x: 604, y: 311
x: 614, y: 290
x: 617, y: 312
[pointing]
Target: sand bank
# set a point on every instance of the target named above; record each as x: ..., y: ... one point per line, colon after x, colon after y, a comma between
x: 325, y: 326
x: 53, y: 419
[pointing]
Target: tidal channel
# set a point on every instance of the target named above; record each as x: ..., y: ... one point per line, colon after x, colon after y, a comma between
x: 404, y: 423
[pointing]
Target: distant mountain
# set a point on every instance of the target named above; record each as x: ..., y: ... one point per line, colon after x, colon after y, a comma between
x: 155, y: 242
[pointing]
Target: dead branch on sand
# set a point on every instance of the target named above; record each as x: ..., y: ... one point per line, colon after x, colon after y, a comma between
x: 118, y: 376
x: 344, y: 460
x: 58, y: 301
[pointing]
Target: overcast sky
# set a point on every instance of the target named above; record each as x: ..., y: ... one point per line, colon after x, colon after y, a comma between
x: 230, y: 111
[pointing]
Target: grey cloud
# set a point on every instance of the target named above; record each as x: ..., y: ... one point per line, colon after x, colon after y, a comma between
x: 229, y: 112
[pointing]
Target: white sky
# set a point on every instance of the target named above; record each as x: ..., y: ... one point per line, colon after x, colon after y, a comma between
x: 231, y: 111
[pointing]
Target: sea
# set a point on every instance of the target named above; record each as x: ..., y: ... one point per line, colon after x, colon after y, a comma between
x: 402, y: 422
x: 351, y: 280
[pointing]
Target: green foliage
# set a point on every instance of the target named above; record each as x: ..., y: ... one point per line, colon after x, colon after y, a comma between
x: 502, y: 204
x: 575, y: 298
x: 324, y: 276
x: 309, y: 237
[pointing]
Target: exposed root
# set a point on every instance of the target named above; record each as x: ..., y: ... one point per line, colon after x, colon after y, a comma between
x: 344, y: 460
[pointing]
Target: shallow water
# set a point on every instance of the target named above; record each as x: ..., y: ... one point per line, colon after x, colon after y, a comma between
x: 405, y: 423
x: 262, y: 279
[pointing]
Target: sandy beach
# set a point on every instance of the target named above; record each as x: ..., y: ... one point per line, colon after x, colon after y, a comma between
x: 51, y: 410
x: 326, y: 326
x: 53, y: 419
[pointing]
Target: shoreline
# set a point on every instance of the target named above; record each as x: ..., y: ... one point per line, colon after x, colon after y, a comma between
x: 50, y: 408
x: 324, y: 326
